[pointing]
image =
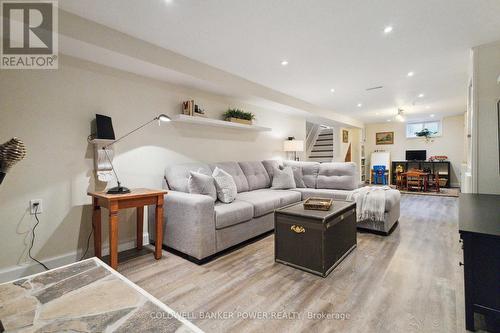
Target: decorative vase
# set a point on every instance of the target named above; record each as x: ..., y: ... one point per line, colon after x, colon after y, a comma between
x: 11, y: 152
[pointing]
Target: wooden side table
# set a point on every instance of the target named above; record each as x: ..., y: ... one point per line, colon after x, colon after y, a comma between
x: 137, y: 198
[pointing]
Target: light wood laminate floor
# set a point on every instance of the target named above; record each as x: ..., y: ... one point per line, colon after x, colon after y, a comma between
x: 409, y: 281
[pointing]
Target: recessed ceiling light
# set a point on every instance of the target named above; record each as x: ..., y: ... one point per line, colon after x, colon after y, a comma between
x: 332, y: 90
x: 360, y: 105
x: 388, y: 120
x: 421, y: 95
x: 387, y: 29
x: 284, y: 62
x: 427, y: 107
x: 169, y: 1
x: 410, y: 74
x: 432, y: 115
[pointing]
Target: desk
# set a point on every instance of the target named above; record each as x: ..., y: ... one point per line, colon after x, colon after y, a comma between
x: 137, y: 198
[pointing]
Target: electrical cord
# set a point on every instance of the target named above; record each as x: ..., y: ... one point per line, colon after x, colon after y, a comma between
x: 33, y: 239
x: 88, y: 244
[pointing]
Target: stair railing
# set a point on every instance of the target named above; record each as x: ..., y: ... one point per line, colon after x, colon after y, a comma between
x: 311, y: 138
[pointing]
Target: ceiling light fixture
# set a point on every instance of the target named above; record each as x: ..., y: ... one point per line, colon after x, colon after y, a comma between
x: 410, y: 74
x: 388, y: 120
x: 332, y: 90
x: 432, y: 115
x: 420, y: 95
x: 399, y: 116
x: 376, y: 113
x: 387, y: 29
x: 284, y: 62
x: 427, y: 107
x: 359, y: 105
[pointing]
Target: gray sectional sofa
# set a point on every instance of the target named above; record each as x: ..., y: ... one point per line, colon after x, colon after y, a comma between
x: 198, y: 227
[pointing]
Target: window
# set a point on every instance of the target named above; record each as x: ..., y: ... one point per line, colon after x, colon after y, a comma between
x: 433, y: 126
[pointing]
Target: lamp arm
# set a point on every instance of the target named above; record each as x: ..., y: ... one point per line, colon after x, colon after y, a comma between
x: 112, y: 167
x: 133, y: 131
x: 119, y: 139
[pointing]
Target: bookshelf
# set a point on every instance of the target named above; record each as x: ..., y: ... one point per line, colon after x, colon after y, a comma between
x: 443, y: 168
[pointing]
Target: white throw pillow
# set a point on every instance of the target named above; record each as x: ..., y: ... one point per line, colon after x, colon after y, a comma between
x: 199, y: 183
x: 225, y: 185
x: 283, y: 179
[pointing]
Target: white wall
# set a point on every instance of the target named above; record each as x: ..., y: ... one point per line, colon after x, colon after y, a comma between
x: 52, y: 110
x: 451, y: 143
x: 486, y: 69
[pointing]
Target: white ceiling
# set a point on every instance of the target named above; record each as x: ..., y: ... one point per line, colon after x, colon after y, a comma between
x: 328, y: 44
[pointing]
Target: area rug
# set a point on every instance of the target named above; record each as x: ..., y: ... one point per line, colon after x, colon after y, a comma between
x: 444, y: 192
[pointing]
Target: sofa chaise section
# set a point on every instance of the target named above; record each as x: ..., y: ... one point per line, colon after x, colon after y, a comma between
x: 338, y: 181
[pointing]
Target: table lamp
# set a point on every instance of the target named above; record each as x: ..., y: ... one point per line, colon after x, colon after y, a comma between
x: 292, y: 145
x: 119, y: 189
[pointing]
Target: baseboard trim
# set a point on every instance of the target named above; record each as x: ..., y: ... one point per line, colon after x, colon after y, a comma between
x: 18, y: 271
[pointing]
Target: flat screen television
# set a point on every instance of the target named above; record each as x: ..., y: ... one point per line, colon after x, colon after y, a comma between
x: 416, y: 155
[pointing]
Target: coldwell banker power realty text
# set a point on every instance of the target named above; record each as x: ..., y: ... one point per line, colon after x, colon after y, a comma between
x: 29, y: 35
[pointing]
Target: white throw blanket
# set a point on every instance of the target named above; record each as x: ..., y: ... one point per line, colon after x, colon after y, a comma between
x: 370, y: 202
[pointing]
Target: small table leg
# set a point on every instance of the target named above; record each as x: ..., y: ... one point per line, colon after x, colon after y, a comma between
x: 96, y: 224
x: 113, y: 236
x: 140, y: 223
x: 159, y: 226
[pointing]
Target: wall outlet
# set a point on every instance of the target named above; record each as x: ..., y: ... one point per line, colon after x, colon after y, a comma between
x: 34, y: 208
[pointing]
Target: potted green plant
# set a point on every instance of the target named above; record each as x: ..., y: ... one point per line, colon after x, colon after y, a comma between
x: 238, y: 116
x: 426, y: 134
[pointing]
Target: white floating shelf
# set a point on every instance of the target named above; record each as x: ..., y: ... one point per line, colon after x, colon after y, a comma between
x: 182, y: 118
x: 101, y: 141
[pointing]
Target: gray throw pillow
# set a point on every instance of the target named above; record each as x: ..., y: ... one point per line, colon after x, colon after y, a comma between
x: 225, y: 185
x: 283, y: 179
x: 199, y: 183
x: 297, y: 176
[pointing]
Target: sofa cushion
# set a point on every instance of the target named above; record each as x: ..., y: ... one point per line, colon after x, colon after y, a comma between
x: 233, y: 213
x: 265, y: 201
x: 225, y: 186
x: 283, y: 179
x: 199, y: 183
x: 337, y: 176
x: 234, y: 170
x: 256, y: 174
x: 177, y: 176
x: 287, y: 197
x: 309, y: 171
x: 269, y: 165
x: 392, y: 197
x: 322, y: 193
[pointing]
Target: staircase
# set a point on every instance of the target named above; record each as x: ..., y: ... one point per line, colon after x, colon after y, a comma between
x: 322, y: 150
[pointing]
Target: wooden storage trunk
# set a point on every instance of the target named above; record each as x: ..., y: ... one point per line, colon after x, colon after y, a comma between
x: 315, y: 241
